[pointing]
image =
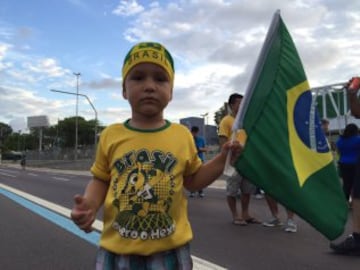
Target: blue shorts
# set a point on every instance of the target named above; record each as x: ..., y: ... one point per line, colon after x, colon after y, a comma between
x: 175, y: 259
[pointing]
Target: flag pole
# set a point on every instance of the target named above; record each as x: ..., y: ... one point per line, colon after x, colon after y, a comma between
x: 228, y: 169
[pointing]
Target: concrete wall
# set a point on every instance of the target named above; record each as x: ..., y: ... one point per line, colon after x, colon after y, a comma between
x: 79, y: 165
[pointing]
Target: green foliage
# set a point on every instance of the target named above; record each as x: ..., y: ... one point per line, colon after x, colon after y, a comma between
x: 59, y: 135
x: 219, y: 114
x: 5, y: 132
x: 86, y: 131
x: 20, y: 142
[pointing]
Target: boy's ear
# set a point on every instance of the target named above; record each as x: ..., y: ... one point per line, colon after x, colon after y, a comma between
x: 171, y: 94
x: 124, y: 92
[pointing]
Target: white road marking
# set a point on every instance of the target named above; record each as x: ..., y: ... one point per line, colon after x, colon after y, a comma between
x: 60, y: 179
x: 6, y: 174
x: 199, y: 264
x: 2, y: 170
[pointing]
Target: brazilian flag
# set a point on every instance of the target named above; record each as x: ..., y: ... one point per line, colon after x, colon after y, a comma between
x: 286, y: 153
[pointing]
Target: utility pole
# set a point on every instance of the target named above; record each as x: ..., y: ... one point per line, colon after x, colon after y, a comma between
x: 204, y: 116
x: 76, y: 114
x: 18, y: 142
x: 91, y: 104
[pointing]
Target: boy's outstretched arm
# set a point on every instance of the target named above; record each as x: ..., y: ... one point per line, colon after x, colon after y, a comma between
x: 86, y: 206
x: 212, y: 169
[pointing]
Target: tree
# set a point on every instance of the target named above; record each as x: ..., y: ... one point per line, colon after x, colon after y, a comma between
x: 59, y: 135
x: 86, y: 131
x: 219, y: 114
x: 20, y: 142
x: 5, y: 132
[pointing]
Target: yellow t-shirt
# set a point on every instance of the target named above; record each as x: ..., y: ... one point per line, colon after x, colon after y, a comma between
x: 225, y: 129
x: 145, y: 209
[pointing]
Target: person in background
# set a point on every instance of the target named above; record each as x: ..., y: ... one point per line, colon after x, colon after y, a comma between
x: 348, y: 147
x: 141, y: 169
x: 23, y: 161
x: 201, y: 148
x: 351, y: 244
x: 325, y: 125
x: 236, y: 183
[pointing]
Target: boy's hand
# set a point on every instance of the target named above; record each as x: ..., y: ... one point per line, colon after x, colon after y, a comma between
x: 82, y: 214
x: 236, y: 149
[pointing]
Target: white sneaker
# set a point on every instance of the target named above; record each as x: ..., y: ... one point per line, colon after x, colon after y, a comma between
x: 272, y: 223
x: 290, y: 226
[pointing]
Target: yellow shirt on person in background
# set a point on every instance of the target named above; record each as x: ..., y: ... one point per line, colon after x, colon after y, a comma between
x: 225, y: 129
x: 145, y: 209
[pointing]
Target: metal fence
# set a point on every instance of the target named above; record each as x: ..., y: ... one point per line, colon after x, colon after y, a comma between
x: 64, y: 158
x: 57, y: 153
x: 86, y: 152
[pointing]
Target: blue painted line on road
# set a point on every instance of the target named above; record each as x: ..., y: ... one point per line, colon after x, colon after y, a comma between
x: 59, y: 220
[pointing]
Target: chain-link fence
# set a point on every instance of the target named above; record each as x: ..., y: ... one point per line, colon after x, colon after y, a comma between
x: 64, y: 158
x: 57, y: 153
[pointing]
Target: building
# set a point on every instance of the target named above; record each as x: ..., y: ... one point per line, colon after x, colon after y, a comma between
x: 209, y: 132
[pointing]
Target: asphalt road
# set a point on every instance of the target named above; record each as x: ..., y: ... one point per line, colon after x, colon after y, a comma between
x: 38, y: 240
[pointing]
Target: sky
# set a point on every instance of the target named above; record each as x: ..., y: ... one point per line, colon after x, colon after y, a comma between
x: 215, y: 45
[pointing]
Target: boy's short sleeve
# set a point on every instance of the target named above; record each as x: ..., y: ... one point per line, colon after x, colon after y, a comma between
x: 100, y: 168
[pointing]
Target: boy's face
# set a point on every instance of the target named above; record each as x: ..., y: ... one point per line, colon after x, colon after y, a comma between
x: 148, y: 89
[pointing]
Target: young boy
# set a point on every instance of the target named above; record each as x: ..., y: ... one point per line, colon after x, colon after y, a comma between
x: 140, y: 171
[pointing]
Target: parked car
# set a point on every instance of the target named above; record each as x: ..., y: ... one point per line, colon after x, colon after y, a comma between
x: 11, y: 155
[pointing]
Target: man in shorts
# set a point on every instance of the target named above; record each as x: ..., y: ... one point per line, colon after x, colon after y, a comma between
x: 236, y: 183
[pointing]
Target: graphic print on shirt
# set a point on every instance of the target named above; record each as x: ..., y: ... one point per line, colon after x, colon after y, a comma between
x: 143, y: 193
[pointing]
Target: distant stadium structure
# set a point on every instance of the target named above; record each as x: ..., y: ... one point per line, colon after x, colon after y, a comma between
x: 332, y: 104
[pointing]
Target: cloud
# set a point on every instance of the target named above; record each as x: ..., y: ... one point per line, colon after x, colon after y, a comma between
x: 26, y: 104
x: 128, y: 8
x: 47, y: 66
x: 215, y: 44
x: 18, y: 124
x: 24, y: 32
x: 3, y: 49
x: 105, y: 83
x: 232, y: 32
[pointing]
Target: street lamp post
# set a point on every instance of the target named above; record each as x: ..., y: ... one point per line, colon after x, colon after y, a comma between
x: 205, y: 116
x: 92, y: 105
x: 77, y: 112
x: 18, y: 142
